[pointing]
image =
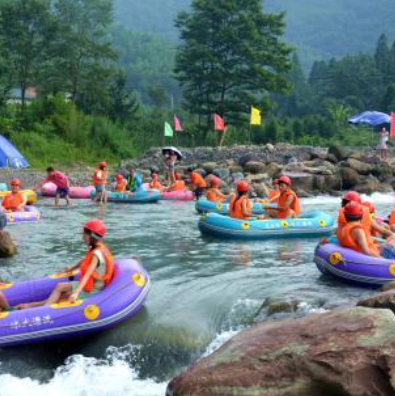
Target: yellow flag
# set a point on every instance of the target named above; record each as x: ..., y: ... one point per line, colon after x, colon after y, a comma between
x: 256, y: 118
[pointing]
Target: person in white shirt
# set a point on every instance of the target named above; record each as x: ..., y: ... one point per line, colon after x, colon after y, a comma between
x: 384, y: 137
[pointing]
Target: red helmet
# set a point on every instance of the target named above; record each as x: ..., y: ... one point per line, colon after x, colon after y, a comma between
x: 178, y: 176
x: 242, y: 186
x: 16, y: 182
x: 103, y: 164
x: 352, y: 196
x: 353, y: 209
x: 284, y: 179
x: 119, y: 177
x: 370, y: 206
x: 215, y: 182
x: 275, y: 182
x: 96, y: 226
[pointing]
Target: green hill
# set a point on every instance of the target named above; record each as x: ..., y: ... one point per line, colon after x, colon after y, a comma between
x: 319, y: 29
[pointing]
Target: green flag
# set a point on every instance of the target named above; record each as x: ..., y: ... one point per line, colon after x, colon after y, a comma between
x: 168, y: 130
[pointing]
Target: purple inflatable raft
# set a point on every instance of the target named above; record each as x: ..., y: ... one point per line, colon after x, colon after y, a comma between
x: 353, y: 267
x: 31, y: 214
x: 122, y: 299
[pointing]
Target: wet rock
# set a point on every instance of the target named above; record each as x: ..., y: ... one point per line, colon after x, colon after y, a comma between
x: 237, y: 176
x: 383, y: 300
x: 342, y: 353
x: 359, y: 166
x: 301, y: 181
x: 236, y: 169
x: 274, y: 305
x: 7, y: 245
x: 382, y: 171
x: 270, y: 148
x: 209, y: 166
x: 331, y: 158
x: 254, y: 167
x: 222, y: 173
x: 250, y: 157
x: 388, y: 286
x: 349, y: 177
x: 369, y: 186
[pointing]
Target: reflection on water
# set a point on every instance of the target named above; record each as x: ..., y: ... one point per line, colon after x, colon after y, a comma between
x: 203, y: 290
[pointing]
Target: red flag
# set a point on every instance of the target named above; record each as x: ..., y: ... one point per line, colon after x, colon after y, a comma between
x: 392, y: 134
x: 219, y: 123
x: 177, y: 124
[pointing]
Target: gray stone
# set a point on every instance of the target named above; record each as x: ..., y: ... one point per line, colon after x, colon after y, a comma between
x: 254, y: 167
x: 222, y: 173
x: 341, y: 153
x: 273, y: 170
x: 350, y: 177
x: 209, y: 166
x: 361, y: 167
x: 237, y: 176
x: 7, y: 245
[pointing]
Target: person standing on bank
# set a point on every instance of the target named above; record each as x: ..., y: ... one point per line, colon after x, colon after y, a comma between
x: 384, y: 143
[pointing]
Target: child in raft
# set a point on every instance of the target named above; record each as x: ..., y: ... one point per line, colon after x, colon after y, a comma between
x: 96, y: 270
x: 197, y: 184
x: 155, y: 182
x: 100, y: 182
x: 357, y: 236
x: 16, y: 201
x: 121, y: 183
x: 61, y: 182
x: 288, y: 205
x: 240, y: 205
x: 214, y: 194
x: 135, y: 181
x: 179, y: 184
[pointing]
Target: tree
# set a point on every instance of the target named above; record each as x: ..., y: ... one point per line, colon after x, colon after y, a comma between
x: 388, y: 101
x: 26, y: 32
x: 383, y: 58
x: 231, y: 56
x: 82, y: 51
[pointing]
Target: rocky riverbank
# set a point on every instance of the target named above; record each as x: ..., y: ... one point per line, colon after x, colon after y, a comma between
x: 349, y: 352
x: 314, y: 170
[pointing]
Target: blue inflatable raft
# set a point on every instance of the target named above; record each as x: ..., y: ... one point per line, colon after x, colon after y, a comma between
x: 138, y: 197
x: 313, y: 224
x: 206, y: 206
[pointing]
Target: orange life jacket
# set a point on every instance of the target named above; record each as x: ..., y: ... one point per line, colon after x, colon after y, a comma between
x: 347, y: 240
x: 392, y: 218
x: 156, y: 184
x: 274, y: 196
x: 99, y: 177
x: 197, y: 180
x: 214, y: 195
x: 294, y: 207
x: 179, y: 185
x: 107, y: 278
x: 236, y: 207
x: 366, y: 220
x: 121, y: 186
x: 12, y: 201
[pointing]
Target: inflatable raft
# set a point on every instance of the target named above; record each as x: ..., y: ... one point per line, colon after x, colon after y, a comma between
x: 30, y: 215
x: 49, y: 190
x: 30, y: 195
x: 181, y: 195
x: 122, y: 299
x: 206, y: 206
x: 138, y: 197
x: 314, y: 224
x: 353, y: 267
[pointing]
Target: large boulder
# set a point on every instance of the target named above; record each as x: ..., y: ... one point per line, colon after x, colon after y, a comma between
x: 254, y: 167
x: 368, y: 186
x: 7, y: 245
x: 301, y: 181
x: 209, y: 166
x: 382, y: 171
x: 341, y: 153
x: 361, y: 167
x: 349, y: 177
x: 273, y: 170
x: 347, y: 353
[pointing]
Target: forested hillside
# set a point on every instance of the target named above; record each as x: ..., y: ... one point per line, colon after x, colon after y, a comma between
x: 320, y: 28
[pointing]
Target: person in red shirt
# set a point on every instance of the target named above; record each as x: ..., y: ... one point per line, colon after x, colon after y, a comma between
x: 62, y: 183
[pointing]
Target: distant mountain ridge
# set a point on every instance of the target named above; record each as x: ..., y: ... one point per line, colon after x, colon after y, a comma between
x: 319, y: 29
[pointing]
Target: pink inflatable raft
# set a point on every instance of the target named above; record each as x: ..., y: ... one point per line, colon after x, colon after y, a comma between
x: 181, y: 195
x: 49, y: 190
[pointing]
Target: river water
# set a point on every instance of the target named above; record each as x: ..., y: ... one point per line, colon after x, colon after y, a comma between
x: 203, y: 292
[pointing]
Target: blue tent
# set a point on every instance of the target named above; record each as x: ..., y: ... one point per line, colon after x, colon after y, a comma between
x: 10, y: 157
x: 372, y: 118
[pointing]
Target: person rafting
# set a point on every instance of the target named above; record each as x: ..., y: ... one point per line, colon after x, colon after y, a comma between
x: 61, y: 182
x: 96, y: 270
x: 377, y: 229
x: 179, y: 184
x: 16, y: 201
x: 214, y: 194
x: 120, y: 183
x: 100, y: 182
x: 135, y: 181
x: 3, y: 302
x: 240, y: 205
x: 197, y: 184
x: 288, y: 202
x: 155, y: 182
